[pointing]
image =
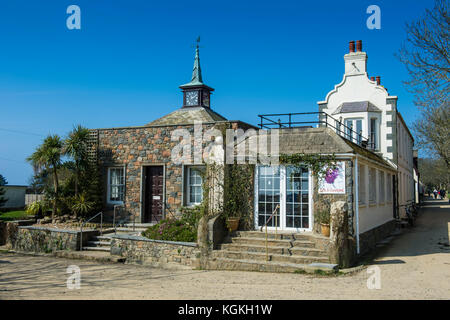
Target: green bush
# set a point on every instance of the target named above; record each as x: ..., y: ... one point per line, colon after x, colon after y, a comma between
x: 172, y: 229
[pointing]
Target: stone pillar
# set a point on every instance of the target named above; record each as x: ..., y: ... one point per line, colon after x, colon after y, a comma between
x: 341, y: 243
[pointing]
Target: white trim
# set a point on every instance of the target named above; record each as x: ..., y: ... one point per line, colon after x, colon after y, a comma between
x: 108, y: 185
x: 283, y: 194
x: 357, y: 203
x: 188, y: 191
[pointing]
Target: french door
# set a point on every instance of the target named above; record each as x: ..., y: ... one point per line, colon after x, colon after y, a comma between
x: 286, y: 189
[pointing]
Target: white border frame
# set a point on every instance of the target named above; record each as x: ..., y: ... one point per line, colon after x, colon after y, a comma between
x: 108, y: 185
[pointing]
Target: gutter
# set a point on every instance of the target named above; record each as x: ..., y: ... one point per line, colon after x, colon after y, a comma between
x: 356, y: 202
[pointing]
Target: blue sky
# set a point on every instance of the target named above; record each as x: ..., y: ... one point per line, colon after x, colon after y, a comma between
x: 124, y: 66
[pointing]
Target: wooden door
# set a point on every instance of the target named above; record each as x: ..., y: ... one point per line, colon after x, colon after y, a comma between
x: 153, y: 193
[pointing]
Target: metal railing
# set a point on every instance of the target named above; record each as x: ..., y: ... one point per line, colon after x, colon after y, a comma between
x: 276, y: 228
x: 84, y: 223
x: 122, y: 221
x: 270, y: 121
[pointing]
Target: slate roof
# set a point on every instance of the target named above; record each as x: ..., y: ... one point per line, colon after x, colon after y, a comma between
x: 357, y: 106
x: 189, y: 116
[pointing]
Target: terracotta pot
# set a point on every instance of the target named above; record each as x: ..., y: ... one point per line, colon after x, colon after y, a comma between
x: 233, y: 223
x: 325, y: 229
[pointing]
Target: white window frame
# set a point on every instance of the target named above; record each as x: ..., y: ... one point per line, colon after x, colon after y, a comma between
x: 376, y: 132
x: 372, y: 186
x: 381, y: 187
x: 188, y: 186
x: 283, y: 194
x: 108, y: 199
x: 354, y: 136
x: 362, y: 185
x: 389, y: 188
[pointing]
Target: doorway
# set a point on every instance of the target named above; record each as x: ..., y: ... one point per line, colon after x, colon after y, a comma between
x: 153, y: 193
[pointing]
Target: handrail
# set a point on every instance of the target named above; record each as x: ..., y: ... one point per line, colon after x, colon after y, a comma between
x: 342, y: 129
x: 84, y: 223
x: 276, y: 228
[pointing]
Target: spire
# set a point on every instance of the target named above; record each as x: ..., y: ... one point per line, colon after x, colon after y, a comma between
x: 197, y: 71
x: 196, y: 79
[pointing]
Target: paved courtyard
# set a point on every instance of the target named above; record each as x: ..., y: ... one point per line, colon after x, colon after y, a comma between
x: 415, y: 265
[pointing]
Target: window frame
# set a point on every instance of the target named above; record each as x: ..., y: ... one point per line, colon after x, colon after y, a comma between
x: 109, y: 185
x: 188, y: 186
x: 362, y: 195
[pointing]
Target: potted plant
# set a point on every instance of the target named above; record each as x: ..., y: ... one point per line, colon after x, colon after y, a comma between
x: 233, y: 223
x: 323, y: 217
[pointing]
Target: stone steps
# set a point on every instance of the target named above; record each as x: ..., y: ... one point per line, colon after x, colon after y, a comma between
x: 274, y: 236
x: 259, y: 256
x: 267, y: 266
x: 303, y: 251
x: 273, y: 242
x: 286, y: 252
x: 92, y: 248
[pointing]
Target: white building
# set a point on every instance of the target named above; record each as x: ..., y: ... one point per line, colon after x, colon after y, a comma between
x: 362, y: 110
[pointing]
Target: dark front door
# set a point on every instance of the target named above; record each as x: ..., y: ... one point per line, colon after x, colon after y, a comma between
x: 153, y: 193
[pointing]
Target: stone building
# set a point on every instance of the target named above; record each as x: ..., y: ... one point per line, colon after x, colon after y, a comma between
x: 141, y: 172
x: 136, y: 164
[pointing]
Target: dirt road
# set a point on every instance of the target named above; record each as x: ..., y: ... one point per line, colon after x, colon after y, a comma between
x: 416, y: 265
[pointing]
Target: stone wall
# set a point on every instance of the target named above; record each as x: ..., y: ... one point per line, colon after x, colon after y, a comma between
x: 324, y: 201
x: 140, y: 146
x: 157, y: 253
x: 369, y: 239
x: 46, y: 240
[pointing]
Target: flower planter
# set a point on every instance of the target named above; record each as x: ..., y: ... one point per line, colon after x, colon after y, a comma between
x: 233, y: 224
x: 325, y: 228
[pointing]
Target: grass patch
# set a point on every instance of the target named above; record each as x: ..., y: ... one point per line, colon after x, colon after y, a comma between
x: 14, y: 215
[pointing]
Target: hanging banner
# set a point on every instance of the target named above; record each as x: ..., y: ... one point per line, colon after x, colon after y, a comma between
x: 333, y: 182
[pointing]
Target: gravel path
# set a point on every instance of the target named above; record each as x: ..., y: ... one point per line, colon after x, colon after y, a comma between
x: 416, y: 265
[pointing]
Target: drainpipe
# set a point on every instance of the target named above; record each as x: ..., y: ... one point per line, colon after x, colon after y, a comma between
x: 357, y: 203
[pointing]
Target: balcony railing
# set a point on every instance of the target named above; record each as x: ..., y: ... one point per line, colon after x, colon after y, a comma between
x: 315, y: 119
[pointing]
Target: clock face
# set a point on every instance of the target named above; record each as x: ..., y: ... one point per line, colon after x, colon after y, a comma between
x: 192, y: 98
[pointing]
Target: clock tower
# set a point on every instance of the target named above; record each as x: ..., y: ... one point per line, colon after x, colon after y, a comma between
x: 196, y: 93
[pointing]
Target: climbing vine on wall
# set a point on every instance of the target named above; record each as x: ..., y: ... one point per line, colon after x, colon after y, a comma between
x: 318, y: 164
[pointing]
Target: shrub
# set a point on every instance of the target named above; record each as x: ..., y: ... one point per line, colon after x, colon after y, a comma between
x: 323, y: 216
x: 172, y: 229
x: 37, y: 208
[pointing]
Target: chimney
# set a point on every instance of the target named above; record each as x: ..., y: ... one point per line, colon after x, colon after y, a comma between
x: 378, y: 80
x: 359, y: 45
x: 351, y: 46
x: 372, y: 78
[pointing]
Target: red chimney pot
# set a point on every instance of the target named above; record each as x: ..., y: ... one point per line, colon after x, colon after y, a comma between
x: 378, y: 80
x: 359, y: 45
x: 372, y: 78
x: 351, y: 46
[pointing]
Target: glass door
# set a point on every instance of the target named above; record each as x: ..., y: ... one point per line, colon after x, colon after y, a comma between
x: 268, y: 195
x: 287, y: 187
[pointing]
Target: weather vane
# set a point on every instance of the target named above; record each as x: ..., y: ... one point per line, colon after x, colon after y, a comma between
x: 196, y: 45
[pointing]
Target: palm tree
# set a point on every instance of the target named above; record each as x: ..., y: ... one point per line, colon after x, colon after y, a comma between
x: 76, y: 147
x: 48, y: 156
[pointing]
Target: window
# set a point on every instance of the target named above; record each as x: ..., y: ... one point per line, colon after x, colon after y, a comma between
x: 194, y: 186
x: 372, y: 186
x: 116, y: 185
x: 353, y: 130
x: 381, y: 187
x: 373, y: 138
x: 389, y: 188
x: 362, y: 184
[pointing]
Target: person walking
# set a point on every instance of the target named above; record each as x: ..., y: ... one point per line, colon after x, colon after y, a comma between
x: 435, y: 192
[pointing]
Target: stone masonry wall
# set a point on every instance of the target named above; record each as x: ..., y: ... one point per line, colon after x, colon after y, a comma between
x: 155, y: 252
x: 324, y: 201
x: 137, y: 147
x: 46, y: 240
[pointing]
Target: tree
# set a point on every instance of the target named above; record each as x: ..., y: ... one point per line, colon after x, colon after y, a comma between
x: 3, y: 182
x: 48, y: 156
x: 426, y: 57
x: 76, y: 147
